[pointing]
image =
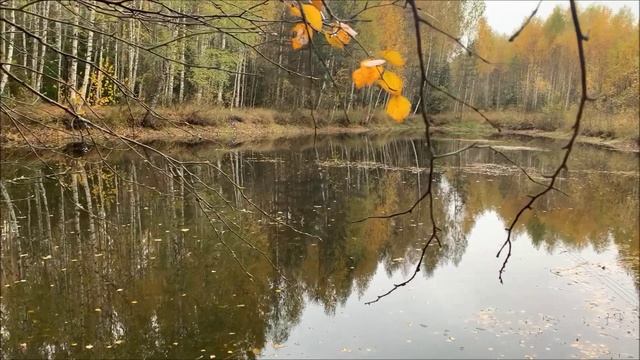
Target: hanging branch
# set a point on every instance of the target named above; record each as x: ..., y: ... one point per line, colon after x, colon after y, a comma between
x: 580, y: 38
x: 525, y: 23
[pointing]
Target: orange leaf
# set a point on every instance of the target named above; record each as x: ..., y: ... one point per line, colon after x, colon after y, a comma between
x: 393, y: 57
x: 391, y: 83
x: 334, y: 40
x: 300, y: 35
x: 365, y: 76
x: 339, y: 35
x: 317, y: 4
x: 398, y: 108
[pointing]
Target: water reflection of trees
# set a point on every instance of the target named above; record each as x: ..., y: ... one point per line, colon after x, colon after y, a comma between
x: 104, y: 259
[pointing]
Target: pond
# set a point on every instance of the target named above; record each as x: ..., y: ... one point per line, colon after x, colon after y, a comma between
x: 126, y: 258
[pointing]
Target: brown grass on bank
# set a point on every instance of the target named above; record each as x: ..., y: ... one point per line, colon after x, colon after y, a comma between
x: 594, y: 124
x: 50, y: 125
x: 123, y: 116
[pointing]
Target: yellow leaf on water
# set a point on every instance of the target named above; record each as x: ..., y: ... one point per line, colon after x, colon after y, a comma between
x: 398, y: 108
x: 391, y: 83
x: 393, y: 57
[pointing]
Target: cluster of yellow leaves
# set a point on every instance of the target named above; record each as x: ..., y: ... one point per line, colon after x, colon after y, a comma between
x: 302, y: 32
x: 371, y: 71
x: 338, y: 35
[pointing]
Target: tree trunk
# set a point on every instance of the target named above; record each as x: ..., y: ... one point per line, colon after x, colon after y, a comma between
x: 9, y: 55
x: 223, y: 45
x: 43, y: 48
x: 88, y: 55
x: 73, y: 71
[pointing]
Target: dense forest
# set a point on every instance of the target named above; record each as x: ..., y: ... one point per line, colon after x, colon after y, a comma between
x: 241, y: 55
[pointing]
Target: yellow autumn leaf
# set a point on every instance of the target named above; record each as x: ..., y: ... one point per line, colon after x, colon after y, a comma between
x: 294, y: 10
x: 339, y: 35
x: 300, y: 35
x: 333, y: 40
x: 393, y: 57
x: 365, y: 76
x: 391, y: 83
x: 312, y: 15
x: 398, y: 108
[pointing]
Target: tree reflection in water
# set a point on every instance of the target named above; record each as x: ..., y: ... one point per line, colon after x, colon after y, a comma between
x: 136, y: 271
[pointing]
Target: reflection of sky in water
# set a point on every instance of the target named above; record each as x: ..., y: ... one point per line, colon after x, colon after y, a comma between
x: 167, y: 287
x: 461, y: 312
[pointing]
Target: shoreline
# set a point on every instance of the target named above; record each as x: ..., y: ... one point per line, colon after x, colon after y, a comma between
x: 228, y: 136
x: 229, y: 127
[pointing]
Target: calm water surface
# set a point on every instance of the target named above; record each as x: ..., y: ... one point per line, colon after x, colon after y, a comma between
x: 143, y: 271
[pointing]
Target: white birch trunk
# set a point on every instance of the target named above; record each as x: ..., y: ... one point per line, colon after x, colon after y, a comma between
x: 9, y: 55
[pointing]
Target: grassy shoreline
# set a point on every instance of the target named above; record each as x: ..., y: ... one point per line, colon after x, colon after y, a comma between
x: 225, y: 126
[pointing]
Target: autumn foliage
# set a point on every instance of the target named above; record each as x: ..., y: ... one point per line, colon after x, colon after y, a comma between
x: 371, y: 71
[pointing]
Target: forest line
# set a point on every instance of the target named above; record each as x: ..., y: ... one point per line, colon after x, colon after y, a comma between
x: 89, y: 55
